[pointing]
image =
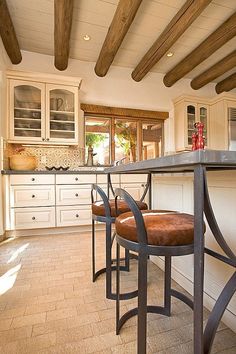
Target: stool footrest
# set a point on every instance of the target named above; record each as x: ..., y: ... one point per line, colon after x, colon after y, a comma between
x: 124, y: 296
x: 133, y: 312
x: 103, y: 270
x: 182, y: 297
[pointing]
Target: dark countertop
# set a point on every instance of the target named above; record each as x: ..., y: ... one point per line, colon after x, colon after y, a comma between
x: 212, y: 159
x: 54, y: 172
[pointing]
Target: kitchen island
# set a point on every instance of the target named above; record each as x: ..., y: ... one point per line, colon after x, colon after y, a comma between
x: 196, y: 164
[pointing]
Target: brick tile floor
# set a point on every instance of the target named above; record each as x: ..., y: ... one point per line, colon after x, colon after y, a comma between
x: 48, y: 303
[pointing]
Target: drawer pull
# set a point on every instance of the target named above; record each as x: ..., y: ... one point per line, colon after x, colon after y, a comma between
x: 77, y: 215
x: 33, y: 196
x: 33, y: 218
x: 33, y: 179
x: 76, y: 194
x: 76, y: 178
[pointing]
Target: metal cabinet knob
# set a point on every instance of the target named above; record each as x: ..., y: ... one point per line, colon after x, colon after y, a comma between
x: 47, y: 139
x: 43, y: 139
x: 76, y: 194
x: 33, y: 196
x: 33, y: 179
x: 76, y: 178
x: 77, y: 215
x: 33, y: 218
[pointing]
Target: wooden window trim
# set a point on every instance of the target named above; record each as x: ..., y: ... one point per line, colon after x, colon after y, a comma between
x: 123, y: 112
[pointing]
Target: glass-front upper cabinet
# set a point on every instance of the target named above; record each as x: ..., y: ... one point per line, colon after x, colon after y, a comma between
x: 191, y: 119
x: 26, y: 110
x: 196, y: 113
x: 62, y: 103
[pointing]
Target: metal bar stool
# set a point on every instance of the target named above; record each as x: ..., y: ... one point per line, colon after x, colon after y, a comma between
x: 106, y: 211
x: 151, y: 232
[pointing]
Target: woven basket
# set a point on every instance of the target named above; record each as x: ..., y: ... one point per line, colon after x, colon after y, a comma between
x: 23, y: 163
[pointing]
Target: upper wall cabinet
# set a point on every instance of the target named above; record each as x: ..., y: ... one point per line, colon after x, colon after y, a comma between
x: 189, y: 110
x: 43, y: 112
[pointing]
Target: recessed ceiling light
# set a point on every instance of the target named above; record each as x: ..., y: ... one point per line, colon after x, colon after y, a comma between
x: 170, y: 54
x: 87, y: 37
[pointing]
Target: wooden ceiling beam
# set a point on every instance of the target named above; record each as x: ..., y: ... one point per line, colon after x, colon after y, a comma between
x: 227, y: 84
x: 213, y: 42
x: 63, y: 13
x: 122, y: 20
x: 224, y: 65
x: 8, y: 34
x: 178, y: 25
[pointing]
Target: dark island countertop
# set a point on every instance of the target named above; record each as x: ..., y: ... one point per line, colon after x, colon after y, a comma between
x: 212, y: 159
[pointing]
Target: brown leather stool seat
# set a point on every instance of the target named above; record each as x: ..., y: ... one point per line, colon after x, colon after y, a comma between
x: 122, y: 207
x: 164, y: 228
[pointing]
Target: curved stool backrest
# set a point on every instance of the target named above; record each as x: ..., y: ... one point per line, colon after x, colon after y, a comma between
x: 141, y: 229
x: 104, y: 198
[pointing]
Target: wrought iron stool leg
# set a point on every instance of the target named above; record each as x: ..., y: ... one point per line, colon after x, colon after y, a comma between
x: 117, y: 287
x: 127, y: 260
x: 167, y: 286
x: 108, y: 260
x: 142, y: 303
x: 93, y: 250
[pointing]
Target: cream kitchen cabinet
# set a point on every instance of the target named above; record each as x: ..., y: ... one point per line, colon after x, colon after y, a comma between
x: 32, y: 201
x: 187, y: 111
x: 42, y: 112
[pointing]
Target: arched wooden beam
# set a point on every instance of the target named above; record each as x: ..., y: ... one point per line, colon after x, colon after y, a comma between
x: 63, y: 11
x: 213, y: 42
x: 215, y: 71
x: 178, y: 25
x: 8, y: 34
x: 227, y: 84
x: 123, y: 18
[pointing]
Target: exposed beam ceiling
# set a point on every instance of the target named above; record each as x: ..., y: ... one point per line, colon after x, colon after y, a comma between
x: 63, y: 13
x: 123, y: 18
x: 227, y: 84
x: 8, y: 34
x: 178, y: 25
x: 213, y: 42
x: 215, y: 71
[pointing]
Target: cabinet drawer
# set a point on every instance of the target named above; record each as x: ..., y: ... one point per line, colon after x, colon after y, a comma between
x: 32, y: 179
x: 75, y: 179
x: 26, y: 196
x: 73, y: 216
x: 103, y: 178
x: 72, y: 195
x: 32, y: 218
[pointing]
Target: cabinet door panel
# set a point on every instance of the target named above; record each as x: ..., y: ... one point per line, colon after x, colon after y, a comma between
x: 26, y: 196
x: 32, y: 218
x: 73, y: 216
x: 75, y: 179
x: 62, y: 113
x: 27, y: 111
x: 72, y: 195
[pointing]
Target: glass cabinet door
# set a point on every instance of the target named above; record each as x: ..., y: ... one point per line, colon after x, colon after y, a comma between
x: 191, y: 118
x: 203, y: 119
x: 27, y: 115
x: 62, y: 124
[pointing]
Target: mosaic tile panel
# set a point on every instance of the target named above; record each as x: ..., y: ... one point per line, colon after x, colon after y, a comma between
x: 72, y: 156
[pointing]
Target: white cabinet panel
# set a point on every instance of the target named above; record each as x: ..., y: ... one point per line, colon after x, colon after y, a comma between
x: 25, y: 196
x: 32, y: 218
x: 72, y: 195
x: 133, y: 178
x: 135, y: 190
x: 75, y: 179
x: 73, y: 215
x: 32, y: 179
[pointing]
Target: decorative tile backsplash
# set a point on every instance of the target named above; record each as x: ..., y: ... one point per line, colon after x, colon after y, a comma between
x: 72, y: 156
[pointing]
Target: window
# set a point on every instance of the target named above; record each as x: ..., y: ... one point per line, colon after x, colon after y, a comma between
x: 116, y: 134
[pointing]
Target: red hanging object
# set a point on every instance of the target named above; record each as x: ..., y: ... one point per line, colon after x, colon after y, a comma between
x: 198, y: 140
